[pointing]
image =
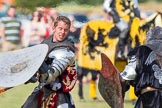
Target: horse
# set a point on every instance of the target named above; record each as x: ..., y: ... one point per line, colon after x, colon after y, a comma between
x: 95, y: 38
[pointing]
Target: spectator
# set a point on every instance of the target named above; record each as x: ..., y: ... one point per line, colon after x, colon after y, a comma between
x: 53, y: 13
x: 37, y: 29
x: 49, y: 25
x: 10, y: 29
x: 74, y: 31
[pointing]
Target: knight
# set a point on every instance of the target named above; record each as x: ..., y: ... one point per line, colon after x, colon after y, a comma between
x: 144, y: 71
x: 121, y: 25
x: 57, y: 74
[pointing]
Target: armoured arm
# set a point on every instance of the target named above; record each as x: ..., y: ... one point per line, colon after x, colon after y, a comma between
x: 106, y: 5
x: 62, y: 58
x: 136, y: 8
x: 129, y: 72
x: 135, y: 3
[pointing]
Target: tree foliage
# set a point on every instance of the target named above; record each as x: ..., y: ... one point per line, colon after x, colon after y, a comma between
x: 31, y: 4
x: 52, y: 3
x: 37, y: 3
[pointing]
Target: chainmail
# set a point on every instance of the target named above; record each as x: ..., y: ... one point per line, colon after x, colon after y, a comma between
x: 154, y: 40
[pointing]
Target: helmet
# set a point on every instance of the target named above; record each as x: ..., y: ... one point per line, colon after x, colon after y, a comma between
x: 106, y: 5
x: 154, y: 40
x: 154, y: 34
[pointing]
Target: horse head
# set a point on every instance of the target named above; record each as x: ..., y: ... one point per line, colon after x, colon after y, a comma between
x: 139, y: 28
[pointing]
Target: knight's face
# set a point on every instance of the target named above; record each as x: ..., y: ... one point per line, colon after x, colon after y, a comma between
x: 61, y: 31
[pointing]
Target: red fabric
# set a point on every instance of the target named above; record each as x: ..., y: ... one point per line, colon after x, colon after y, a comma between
x: 50, y: 102
x: 69, y: 80
x: 47, y: 33
x: 53, y: 101
x: 40, y: 98
x: 47, y: 10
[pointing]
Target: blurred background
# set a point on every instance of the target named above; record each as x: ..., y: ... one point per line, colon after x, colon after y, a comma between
x: 82, y: 11
x: 92, y: 8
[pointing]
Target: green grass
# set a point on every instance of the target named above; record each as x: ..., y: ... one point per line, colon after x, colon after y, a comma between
x: 15, y: 97
x: 89, y: 103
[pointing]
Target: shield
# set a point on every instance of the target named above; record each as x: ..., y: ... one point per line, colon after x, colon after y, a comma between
x: 17, y: 67
x: 109, y: 83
